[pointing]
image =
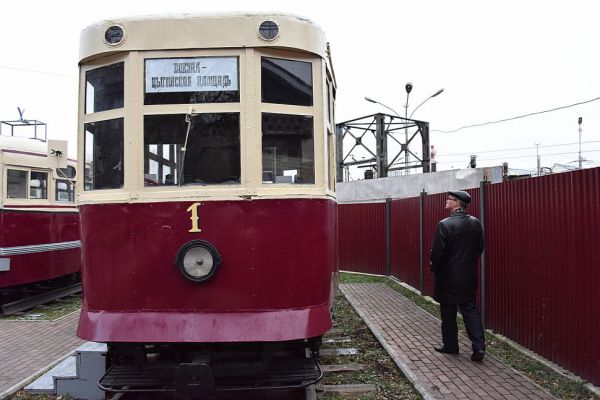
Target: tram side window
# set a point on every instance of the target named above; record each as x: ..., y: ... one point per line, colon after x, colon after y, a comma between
x: 286, y: 82
x: 212, y: 154
x: 64, y: 190
x: 103, y: 157
x: 104, y: 88
x: 38, y: 185
x: 16, y: 184
x: 287, y: 148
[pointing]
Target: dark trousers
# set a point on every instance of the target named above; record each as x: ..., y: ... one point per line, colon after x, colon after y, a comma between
x: 470, y: 313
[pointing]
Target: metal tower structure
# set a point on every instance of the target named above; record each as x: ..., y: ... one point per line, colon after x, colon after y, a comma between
x: 375, y: 139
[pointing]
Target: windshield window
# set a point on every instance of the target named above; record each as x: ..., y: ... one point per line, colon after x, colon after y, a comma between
x: 287, y: 148
x: 286, y: 82
x: 212, y: 151
x: 104, y: 154
x: 104, y: 88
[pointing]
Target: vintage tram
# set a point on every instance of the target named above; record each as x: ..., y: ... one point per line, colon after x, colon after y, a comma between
x: 39, y: 222
x: 207, y: 200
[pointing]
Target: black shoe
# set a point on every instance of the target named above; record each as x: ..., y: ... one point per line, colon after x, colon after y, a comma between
x: 444, y: 349
x: 477, y: 355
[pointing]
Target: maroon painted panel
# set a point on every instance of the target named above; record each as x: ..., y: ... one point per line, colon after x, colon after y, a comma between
x: 23, y: 228
x: 405, y: 241
x: 35, y: 267
x: 276, y: 255
x: 544, y: 267
x: 362, y: 237
x: 206, y: 327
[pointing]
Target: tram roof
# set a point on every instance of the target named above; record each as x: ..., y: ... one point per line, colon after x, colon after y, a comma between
x: 200, y: 31
x: 22, y: 144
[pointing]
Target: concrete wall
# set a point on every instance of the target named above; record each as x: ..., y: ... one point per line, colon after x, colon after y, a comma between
x: 398, y: 187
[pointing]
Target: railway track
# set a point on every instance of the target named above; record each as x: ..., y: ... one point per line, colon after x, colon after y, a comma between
x: 16, y: 299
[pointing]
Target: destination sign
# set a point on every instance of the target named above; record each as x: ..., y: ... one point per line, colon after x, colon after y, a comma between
x: 198, y: 74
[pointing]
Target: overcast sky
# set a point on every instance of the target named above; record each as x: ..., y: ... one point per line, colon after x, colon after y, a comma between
x: 495, y: 60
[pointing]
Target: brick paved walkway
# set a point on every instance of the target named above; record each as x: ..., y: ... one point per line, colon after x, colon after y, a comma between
x: 409, y: 334
x: 26, y: 347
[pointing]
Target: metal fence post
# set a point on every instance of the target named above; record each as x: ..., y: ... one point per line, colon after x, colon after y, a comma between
x: 388, y: 237
x: 483, y: 273
x: 421, y: 240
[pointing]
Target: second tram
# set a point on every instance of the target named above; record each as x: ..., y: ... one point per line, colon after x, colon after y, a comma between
x: 39, y: 222
x: 207, y: 200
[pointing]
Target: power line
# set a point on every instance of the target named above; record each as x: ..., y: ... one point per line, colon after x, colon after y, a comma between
x: 525, y: 156
x: 513, y: 149
x: 34, y: 71
x: 517, y: 117
x: 542, y: 155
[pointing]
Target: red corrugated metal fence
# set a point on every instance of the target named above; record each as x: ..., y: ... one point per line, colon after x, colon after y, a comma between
x: 543, y: 267
x: 362, y: 237
x: 542, y: 259
x: 405, y: 240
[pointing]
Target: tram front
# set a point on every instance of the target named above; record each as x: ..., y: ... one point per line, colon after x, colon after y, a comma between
x: 207, y: 196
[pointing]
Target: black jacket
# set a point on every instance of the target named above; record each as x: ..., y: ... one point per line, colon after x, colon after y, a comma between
x: 456, y: 247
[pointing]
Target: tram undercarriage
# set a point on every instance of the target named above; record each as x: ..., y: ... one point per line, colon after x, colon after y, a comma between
x: 197, y: 370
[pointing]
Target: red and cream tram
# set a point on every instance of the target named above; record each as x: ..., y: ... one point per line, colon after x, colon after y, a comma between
x: 39, y: 223
x: 207, y: 200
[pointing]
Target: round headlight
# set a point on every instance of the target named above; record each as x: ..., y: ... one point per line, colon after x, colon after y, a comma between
x: 198, y: 260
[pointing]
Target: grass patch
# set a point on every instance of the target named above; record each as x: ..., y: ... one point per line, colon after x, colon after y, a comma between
x: 21, y: 395
x: 379, y: 368
x: 49, y: 311
x: 556, y: 383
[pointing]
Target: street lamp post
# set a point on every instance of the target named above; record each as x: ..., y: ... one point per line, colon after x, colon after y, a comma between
x: 408, y: 87
x: 381, y: 104
x: 395, y: 112
x: 423, y: 102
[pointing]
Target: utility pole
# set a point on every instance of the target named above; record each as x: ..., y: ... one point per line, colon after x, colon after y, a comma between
x: 580, y: 121
x: 537, y: 155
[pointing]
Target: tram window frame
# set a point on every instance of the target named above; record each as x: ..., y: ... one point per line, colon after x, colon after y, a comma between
x: 113, y: 73
x: 110, y: 180
x: 304, y: 163
x: 330, y: 128
x: 192, y: 97
x: 40, y: 190
x: 25, y: 184
x: 270, y: 95
x: 208, y: 158
x: 70, y: 190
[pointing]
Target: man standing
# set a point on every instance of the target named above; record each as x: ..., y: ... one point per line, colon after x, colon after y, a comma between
x: 456, y: 247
